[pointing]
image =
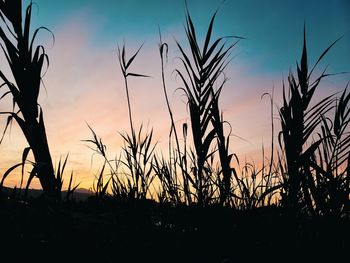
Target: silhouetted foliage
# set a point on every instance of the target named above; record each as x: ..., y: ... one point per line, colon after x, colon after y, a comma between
x: 26, y: 62
x: 199, y: 203
x: 193, y: 205
x: 315, y: 179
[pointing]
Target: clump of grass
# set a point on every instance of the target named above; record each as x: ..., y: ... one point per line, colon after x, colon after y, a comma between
x: 59, y: 172
x: 138, y: 154
x: 303, y: 187
x: 136, y: 162
x: 166, y: 171
x: 71, y: 188
x: 138, y: 150
x: 100, y: 187
x: 331, y: 162
x: 259, y: 187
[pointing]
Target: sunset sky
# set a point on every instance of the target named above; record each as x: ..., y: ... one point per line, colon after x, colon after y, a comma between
x: 84, y: 82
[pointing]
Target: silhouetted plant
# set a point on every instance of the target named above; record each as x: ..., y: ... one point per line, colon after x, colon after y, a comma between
x: 299, y: 121
x: 71, y: 188
x: 331, y: 187
x: 258, y: 187
x: 100, y: 187
x: 202, y: 70
x: 175, y: 156
x: 26, y: 62
x: 138, y: 154
x: 138, y: 150
x: 166, y: 171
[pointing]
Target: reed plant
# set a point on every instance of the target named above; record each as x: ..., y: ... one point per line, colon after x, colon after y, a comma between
x: 202, y: 69
x: 138, y: 148
x: 100, y: 186
x: 330, y: 188
x: 131, y: 174
x: 26, y: 61
x: 300, y: 121
x: 166, y: 171
x: 176, y: 155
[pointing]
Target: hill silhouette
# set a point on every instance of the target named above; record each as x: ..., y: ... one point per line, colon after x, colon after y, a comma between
x: 80, y: 194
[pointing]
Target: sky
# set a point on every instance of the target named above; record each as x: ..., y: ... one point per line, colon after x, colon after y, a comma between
x: 84, y: 85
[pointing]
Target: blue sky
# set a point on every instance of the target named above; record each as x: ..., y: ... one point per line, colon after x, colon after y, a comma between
x: 273, y: 28
x: 84, y: 82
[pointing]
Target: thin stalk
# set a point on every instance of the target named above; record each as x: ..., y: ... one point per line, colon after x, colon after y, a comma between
x: 163, y: 46
x: 129, y: 105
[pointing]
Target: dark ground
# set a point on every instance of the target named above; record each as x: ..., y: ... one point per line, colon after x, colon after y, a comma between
x: 144, y: 231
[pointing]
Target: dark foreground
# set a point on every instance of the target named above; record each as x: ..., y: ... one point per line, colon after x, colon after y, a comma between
x: 144, y: 231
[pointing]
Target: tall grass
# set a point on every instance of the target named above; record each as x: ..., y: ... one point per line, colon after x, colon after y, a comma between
x: 136, y: 163
x: 176, y: 156
x: 331, y: 186
x: 311, y: 170
x: 138, y: 149
x: 169, y: 190
x: 100, y: 186
x: 259, y: 186
x: 26, y: 62
x: 138, y: 154
x: 309, y: 174
x: 306, y: 185
x: 202, y: 69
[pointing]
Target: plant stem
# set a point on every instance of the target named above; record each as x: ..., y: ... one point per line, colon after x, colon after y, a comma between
x: 129, y: 105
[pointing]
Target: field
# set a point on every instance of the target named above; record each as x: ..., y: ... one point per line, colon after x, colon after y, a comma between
x: 149, y: 232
